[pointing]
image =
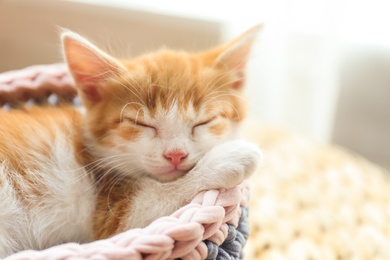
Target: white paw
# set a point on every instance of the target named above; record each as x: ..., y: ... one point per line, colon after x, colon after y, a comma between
x: 228, y: 164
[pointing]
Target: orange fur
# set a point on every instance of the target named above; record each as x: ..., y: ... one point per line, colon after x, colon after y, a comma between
x: 21, y: 132
x: 135, y: 110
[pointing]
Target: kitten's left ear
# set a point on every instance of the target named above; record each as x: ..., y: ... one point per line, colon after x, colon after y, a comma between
x: 89, y: 66
x: 235, y: 55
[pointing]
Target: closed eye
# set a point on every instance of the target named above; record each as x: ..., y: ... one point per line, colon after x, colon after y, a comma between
x: 205, y: 122
x: 137, y: 122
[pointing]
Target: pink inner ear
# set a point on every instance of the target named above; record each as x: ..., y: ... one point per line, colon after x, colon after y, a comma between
x: 92, y: 93
x: 88, y: 86
x: 237, y: 85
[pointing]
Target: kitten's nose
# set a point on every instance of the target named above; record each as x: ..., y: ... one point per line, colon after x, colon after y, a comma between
x: 175, y: 157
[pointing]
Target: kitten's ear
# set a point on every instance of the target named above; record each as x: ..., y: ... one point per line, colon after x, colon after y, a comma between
x: 235, y: 54
x: 89, y: 66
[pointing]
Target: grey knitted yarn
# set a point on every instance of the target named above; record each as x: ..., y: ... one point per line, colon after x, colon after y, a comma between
x: 231, y: 248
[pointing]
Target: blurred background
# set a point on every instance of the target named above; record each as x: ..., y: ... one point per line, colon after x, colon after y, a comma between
x: 320, y: 67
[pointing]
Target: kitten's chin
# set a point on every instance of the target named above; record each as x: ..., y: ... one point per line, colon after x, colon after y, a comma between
x: 168, y: 176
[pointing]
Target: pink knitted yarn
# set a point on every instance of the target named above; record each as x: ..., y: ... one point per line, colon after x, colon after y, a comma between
x: 36, y: 82
x: 178, y: 235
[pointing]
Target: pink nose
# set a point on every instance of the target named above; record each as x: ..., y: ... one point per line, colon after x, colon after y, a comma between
x: 175, y: 157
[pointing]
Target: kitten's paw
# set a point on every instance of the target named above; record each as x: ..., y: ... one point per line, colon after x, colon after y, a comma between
x: 228, y: 164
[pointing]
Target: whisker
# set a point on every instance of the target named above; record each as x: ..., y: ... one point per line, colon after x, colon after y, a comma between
x: 127, y: 104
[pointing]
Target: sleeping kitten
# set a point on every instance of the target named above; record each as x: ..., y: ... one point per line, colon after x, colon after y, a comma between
x: 153, y: 132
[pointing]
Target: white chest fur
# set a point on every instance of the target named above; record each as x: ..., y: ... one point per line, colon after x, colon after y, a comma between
x: 59, y: 212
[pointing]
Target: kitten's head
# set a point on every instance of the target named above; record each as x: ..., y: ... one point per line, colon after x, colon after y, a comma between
x: 159, y: 113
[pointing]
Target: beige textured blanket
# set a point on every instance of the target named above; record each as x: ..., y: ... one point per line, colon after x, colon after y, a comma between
x: 316, y: 201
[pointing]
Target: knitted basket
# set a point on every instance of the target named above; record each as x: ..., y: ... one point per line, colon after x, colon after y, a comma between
x: 213, y: 226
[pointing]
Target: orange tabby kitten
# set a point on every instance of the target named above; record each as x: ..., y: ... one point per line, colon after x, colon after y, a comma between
x: 153, y: 131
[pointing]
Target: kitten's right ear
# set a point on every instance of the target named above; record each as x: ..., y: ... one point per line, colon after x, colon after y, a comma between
x: 89, y: 66
x: 234, y: 55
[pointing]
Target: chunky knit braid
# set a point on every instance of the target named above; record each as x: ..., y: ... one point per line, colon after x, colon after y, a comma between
x: 213, y: 215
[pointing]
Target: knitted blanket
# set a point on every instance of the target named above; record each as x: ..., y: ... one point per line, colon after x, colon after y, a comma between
x: 212, y: 215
